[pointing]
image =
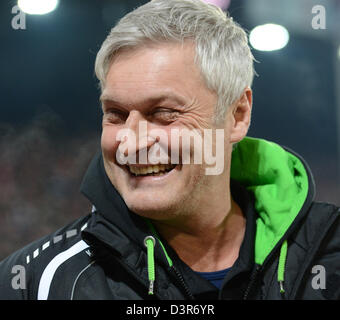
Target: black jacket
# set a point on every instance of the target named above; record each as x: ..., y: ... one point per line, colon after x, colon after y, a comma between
x: 103, y: 256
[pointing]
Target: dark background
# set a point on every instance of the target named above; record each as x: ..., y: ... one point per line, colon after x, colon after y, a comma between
x: 50, y: 118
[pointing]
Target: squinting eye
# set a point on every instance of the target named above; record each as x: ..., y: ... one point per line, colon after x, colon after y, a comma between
x: 115, y: 116
x: 165, y: 114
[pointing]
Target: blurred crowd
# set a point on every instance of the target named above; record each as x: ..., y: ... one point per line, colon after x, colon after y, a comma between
x: 40, y: 176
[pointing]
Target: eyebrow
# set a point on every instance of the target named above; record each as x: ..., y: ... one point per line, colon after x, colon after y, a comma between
x: 151, y: 100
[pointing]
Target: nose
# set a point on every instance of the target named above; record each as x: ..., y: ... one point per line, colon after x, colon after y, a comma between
x: 140, y: 141
x: 133, y: 120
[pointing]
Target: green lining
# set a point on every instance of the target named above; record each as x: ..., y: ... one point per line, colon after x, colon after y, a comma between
x: 279, y: 182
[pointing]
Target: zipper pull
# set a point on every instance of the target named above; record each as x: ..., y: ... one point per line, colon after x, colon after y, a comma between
x: 150, y: 243
x: 282, y: 290
x: 282, y: 265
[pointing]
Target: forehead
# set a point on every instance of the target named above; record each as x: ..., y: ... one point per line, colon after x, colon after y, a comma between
x: 152, y: 70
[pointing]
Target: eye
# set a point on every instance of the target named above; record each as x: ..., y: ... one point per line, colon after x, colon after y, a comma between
x: 165, y: 114
x: 115, y: 116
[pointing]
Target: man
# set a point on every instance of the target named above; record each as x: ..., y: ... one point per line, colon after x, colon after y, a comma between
x: 165, y: 225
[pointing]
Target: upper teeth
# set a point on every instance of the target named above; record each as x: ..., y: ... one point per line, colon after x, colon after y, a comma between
x: 150, y: 169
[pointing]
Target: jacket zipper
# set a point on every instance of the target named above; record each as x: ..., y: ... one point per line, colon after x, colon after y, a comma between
x: 182, y: 282
x: 253, y: 277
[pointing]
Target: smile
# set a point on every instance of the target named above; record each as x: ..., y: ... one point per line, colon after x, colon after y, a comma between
x: 150, y: 170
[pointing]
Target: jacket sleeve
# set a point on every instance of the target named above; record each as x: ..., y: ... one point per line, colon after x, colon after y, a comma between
x: 324, y: 271
x: 14, y: 277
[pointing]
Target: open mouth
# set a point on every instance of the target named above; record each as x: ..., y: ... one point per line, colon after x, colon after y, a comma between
x: 150, y: 170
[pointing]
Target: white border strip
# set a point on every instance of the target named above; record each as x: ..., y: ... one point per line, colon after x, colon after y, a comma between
x: 48, y: 274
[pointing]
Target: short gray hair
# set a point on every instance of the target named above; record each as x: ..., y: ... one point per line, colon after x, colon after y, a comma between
x: 222, y: 51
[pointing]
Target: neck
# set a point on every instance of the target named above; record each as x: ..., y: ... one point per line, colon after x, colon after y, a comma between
x: 209, y: 239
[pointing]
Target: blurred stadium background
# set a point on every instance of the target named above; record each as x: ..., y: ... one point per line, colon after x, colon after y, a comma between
x: 50, y: 119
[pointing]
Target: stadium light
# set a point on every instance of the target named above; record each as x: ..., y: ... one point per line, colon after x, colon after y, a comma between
x: 37, y: 6
x: 269, y: 37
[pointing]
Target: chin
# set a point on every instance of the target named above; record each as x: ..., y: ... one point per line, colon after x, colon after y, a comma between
x: 153, y: 209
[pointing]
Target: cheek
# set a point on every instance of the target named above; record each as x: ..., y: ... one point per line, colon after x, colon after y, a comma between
x: 109, y: 144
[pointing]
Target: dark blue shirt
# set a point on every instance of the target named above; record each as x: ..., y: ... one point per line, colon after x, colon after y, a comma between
x: 216, y: 277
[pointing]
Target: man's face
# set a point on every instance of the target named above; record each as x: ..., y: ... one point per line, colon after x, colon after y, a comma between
x: 161, y: 86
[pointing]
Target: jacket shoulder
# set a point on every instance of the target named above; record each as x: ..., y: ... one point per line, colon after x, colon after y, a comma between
x: 28, y: 273
x: 321, y: 217
x: 320, y: 239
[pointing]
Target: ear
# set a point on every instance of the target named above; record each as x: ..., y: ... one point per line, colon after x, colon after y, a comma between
x: 240, y: 116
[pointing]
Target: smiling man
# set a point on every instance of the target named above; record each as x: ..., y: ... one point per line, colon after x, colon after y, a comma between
x: 175, y: 78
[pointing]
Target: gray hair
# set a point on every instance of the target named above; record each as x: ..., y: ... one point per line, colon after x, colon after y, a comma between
x: 222, y: 52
